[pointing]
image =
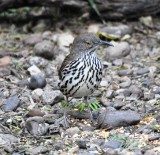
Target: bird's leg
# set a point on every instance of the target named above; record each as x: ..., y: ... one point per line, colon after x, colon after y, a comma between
x: 90, y: 111
x: 65, y: 118
x: 86, y: 101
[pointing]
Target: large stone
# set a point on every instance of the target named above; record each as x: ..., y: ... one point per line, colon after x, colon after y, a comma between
x: 52, y: 96
x: 33, y: 39
x: 117, y: 31
x: 36, y: 126
x: 119, y: 50
x: 44, y: 49
x: 113, y: 119
x: 7, y: 139
x: 11, y: 103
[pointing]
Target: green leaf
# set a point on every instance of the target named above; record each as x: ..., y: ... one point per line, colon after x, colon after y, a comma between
x: 94, y: 106
x: 94, y: 7
x: 64, y: 103
x: 81, y: 107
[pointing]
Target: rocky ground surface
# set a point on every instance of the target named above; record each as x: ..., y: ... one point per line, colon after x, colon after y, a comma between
x: 128, y: 121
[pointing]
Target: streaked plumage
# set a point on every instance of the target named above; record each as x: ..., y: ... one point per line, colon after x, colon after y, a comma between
x: 81, y: 71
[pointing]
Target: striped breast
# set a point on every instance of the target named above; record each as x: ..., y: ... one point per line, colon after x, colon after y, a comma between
x: 82, y: 76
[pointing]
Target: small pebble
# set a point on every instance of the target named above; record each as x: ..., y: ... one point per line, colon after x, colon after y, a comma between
x: 118, y: 62
x: 37, y: 81
x: 82, y: 144
x: 125, y: 72
x: 143, y: 71
x: 11, y: 103
x: 33, y: 70
x: 72, y: 131
x: 112, y: 144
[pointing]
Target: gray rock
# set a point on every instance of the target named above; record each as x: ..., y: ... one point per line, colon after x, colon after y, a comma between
x: 118, y: 31
x: 158, y: 36
x: 52, y: 96
x: 33, y: 39
x: 4, y: 71
x: 148, y: 96
x: 104, y: 83
x: 118, y: 104
x: 113, y: 119
x: 37, y: 92
x: 63, y: 122
x: 157, y: 96
x: 109, y: 93
x: 119, y: 91
x: 119, y: 50
x: 158, y: 118
x: 15, y: 153
x: 38, y: 150
x: 126, y: 93
x: 154, y: 137
x: 147, y: 82
x: 88, y: 128
x: 8, y: 149
x: 118, y: 62
x: 154, y: 52
x: 51, y: 118
x: 135, y: 92
x: 37, y: 61
x: 54, y: 129
x: 47, y: 35
x: 35, y: 112
x: 143, y: 71
x: 59, y: 145
x: 7, y: 139
x: 50, y: 71
x: 63, y: 39
x: 36, y: 126
x: 125, y: 84
x: 11, y: 103
x: 33, y: 70
x: 151, y: 152
x: 112, y: 144
x: 81, y: 144
x: 156, y: 90
x: 124, y: 72
x: 72, y: 131
x: 37, y: 81
x: 110, y: 151
x: 44, y: 49
x: 22, y: 83
x: 40, y: 26
x: 99, y: 141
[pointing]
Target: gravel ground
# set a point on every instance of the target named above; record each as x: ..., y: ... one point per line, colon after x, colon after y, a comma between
x: 128, y: 121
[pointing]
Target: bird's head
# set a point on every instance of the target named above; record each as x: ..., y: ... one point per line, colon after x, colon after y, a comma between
x: 87, y: 43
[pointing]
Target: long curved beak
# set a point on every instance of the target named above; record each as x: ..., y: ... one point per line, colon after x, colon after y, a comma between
x: 105, y: 43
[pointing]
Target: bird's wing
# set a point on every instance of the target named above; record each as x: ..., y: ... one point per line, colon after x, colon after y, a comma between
x: 69, y: 58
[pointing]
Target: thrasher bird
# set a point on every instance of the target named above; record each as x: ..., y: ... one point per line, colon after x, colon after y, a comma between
x: 81, y: 71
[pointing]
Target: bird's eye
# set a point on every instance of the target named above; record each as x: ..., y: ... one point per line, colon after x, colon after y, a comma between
x: 88, y: 43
